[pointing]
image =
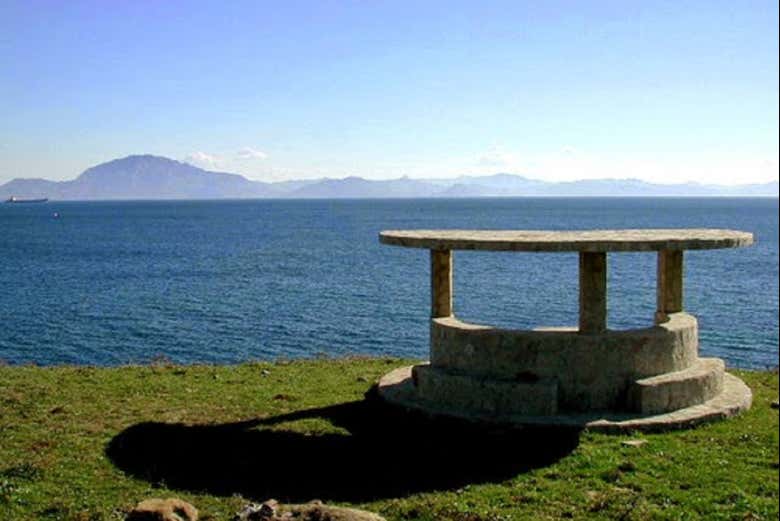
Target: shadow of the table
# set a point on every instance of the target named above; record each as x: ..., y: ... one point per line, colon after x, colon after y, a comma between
x: 387, y: 453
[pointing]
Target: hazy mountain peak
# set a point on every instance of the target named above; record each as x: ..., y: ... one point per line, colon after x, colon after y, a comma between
x: 144, y: 176
x: 135, y: 163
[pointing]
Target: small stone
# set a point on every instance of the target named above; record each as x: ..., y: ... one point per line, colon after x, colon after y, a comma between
x: 171, y: 509
x: 245, y: 512
x: 316, y: 511
x: 255, y: 512
x: 265, y: 372
x: 268, y: 508
x: 633, y: 443
x: 312, y: 511
x: 362, y: 379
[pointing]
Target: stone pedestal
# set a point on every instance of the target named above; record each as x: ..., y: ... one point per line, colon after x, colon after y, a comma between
x: 649, y: 378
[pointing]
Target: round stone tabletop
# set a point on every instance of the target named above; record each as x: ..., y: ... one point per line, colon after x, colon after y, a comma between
x: 563, y: 241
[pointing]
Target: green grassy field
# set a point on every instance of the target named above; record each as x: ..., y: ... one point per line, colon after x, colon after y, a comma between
x: 81, y: 443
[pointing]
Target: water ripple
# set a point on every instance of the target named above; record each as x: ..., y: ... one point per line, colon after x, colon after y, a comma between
x: 222, y: 282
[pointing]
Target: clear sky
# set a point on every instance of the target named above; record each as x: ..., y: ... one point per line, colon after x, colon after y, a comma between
x: 662, y: 91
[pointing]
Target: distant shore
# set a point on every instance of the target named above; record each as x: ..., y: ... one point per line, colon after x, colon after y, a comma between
x: 145, y: 177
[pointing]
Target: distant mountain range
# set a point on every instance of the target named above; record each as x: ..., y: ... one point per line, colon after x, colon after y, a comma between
x: 154, y: 177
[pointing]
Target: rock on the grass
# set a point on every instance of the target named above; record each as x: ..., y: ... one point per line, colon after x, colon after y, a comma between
x: 314, y: 511
x: 320, y: 512
x: 171, y: 509
x: 255, y: 512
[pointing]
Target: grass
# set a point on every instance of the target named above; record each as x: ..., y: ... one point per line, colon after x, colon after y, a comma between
x: 83, y: 443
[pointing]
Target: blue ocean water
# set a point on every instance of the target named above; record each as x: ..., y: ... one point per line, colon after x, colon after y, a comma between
x: 228, y: 281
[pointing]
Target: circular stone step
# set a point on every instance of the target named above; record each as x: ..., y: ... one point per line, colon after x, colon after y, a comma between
x: 397, y: 388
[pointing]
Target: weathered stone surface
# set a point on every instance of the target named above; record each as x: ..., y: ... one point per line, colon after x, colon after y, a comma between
x: 593, y: 371
x: 561, y: 241
x: 319, y: 512
x: 671, y: 391
x: 441, y: 283
x: 397, y: 388
x: 171, y: 509
x: 669, y: 286
x: 593, y: 292
x: 587, y: 376
x: 257, y: 512
x: 486, y: 395
x: 314, y: 511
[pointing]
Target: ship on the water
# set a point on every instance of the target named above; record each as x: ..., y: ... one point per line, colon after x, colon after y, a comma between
x: 14, y: 199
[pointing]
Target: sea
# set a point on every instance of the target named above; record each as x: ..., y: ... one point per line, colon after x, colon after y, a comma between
x: 111, y: 283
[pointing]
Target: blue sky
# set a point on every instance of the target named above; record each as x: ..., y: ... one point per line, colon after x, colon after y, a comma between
x: 661, y: 91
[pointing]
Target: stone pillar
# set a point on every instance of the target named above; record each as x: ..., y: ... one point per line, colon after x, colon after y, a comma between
x: 441, y: 283
x: 670, y: 284
x: 593, y: 292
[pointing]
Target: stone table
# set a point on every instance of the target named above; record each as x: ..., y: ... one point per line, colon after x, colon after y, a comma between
x: 650, y: 378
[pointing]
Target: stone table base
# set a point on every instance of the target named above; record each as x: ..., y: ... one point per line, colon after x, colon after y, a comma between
x: 397, y: 388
